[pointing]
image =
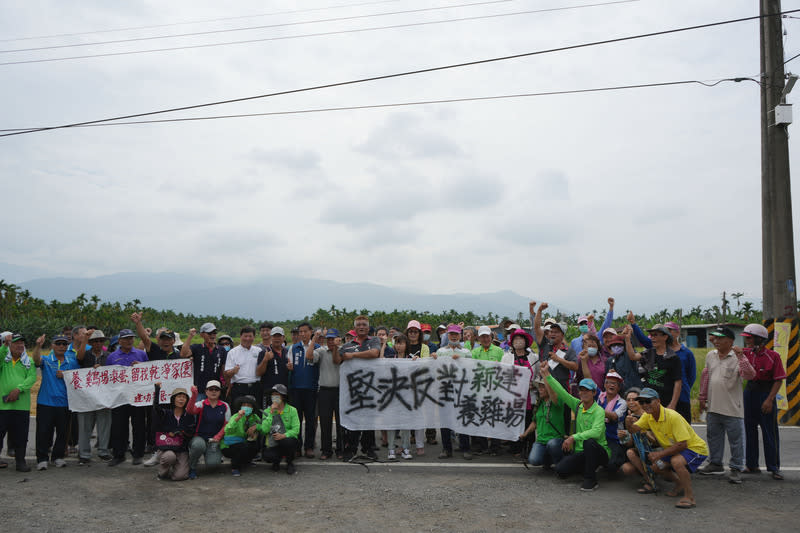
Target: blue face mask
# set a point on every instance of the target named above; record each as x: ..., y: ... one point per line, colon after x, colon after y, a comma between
x: 247, y: 410
x: 426, y: 337
x: 591, y: 351
x: 583, y: 328
x: 616, y: 349
x: 227, y: 347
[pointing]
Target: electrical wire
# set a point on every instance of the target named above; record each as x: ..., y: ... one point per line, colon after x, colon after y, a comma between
x: 201, y: 21
x: 791, y: 58
x: 414, y: 103
x: 318, y: 34
x: 267, y: 26
x: 403, y: 74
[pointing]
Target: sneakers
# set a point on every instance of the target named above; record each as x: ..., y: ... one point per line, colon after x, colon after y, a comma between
x: 406, y: 454
x: 165, y: 477
x: 60, y: 463
x: 83, y: 461
x: 42, y: 465
x: 347, y: 457
x: 446, y: 454
x: 735, y: 477
x: 468, y: 456
x: 711, y: 468
x: 106, y: 458
x: 192, y: 473
x: 153, y: 461
x: 23, y: 467
x: 290, y: 469
x: 235, y: 472
x: 116, y: 460
x: 589, y: 485
x: 391, y: 456
x: 372, y: 455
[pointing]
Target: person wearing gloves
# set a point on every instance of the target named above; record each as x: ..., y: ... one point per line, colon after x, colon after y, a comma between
x: 174, y: 426
x: 586, y: 449
x: 212, y: 415
x: 240, y: 439
x: 281, y: 425
x: 17, y: 376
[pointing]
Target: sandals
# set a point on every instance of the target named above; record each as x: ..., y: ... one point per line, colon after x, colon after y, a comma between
x: 686, y: 503
x: 647, y: 489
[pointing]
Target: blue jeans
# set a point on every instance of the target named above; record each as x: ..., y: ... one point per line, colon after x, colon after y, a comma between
x: 717, y: 427
x: 546, y: 454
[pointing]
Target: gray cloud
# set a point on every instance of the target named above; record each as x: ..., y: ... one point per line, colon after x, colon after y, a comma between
x: 404, y: 135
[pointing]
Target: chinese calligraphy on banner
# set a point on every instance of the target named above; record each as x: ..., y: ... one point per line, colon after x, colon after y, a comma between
x: 473, y: 397
x: 89, y: 389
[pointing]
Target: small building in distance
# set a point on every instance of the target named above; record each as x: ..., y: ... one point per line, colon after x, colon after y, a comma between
x: 696, y: 335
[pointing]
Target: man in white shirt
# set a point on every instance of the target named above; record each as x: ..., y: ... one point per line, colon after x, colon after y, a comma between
x: 240, y: 367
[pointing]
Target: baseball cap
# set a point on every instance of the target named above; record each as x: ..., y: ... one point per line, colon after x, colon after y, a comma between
x: 484, y: 330
x: 587, y: 383
x: 722, y: 331
x: 352, y: 333
x: 208, y: 327
x: 126, y: 333
x: 662, y: 329
x: 614, y: 375
x: 167, y: 334
x: 583, y: 318
x: 426, y: 327
x: 610, y: 331
x: 225, y: 337
x: 549, y: 321
x: 673, y: 325
x: 647, y: 392
x: 616, y: 339
x: 17, y: 337
x: 513, y: 327
x: 440, y: 326
x: 332, y: 333
x: 213, y: 383
x: 413, y: 324
x: 453, y: 328
x: 562, y: 326
x: 60, y: 338
x: 280, y: 388
x: 277, y: 330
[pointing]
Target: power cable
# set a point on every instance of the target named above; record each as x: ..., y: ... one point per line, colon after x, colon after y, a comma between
x: 201, y: 21
x: 714, y: 83
x: 267, y: 26
x: 403, y: 74
x: 318, y: 34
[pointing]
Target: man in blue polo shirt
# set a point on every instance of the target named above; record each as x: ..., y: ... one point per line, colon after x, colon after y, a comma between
x: 52, y: 413
x: 127, y: 355
x: 303, y: 384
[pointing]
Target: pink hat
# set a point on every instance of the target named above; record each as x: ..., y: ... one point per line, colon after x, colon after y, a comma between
x: 583, y: 318
x: 523, y: 333
x: 673, y: 325
x: 413, y: 324
x: 612, y: 331
x: 453, y: 328
x: 352, y: 333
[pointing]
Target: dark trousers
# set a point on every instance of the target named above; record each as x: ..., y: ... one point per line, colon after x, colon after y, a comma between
x: 617, y: 455
x: 16, y: 423
x: 48, y: 420
x: 241, y: 454
x: 587, y: 462
x: 149, y: 430
x: 283, y: 448
x: 753, y: 419
x: 328, y: 402
x: 72, y: 430
x: 120, y: 418
x: 685, y: 410
x: 305, y: 401
x: 241, y: 389
x: 352, y: 438
x: 447, y: 444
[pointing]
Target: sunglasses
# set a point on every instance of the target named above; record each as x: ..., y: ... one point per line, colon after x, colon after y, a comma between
x: 644, y: 401
x: 60, y: 343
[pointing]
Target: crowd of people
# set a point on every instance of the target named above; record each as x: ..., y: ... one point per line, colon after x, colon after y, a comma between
x: 617, y: 399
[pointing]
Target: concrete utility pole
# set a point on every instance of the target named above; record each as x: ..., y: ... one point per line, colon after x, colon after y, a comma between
x: 779, y: 291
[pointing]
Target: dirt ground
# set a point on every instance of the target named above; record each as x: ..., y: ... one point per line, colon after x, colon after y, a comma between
x: 425, y: 494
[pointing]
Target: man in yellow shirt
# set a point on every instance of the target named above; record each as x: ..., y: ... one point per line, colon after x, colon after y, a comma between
x: 682, y: 450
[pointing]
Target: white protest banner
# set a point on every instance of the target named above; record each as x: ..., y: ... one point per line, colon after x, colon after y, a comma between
x: 469, y: 396
x: 89, y: 389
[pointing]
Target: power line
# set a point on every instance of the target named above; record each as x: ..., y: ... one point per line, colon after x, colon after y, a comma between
x: 401, y: 74
x: 712, y: 83
x: 267, y: 26
x: 201, y: 21
x: 318, y: 34
x: 791, y: 58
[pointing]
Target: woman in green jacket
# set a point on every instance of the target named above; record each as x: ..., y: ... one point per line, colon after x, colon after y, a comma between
x: 586, y: 449
x: 281, y: 425
x: 240, y: 440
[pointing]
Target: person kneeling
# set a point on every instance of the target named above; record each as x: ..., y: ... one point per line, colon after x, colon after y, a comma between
x: 683, y: 451
x: 174, y: 426
x: 281, y: 425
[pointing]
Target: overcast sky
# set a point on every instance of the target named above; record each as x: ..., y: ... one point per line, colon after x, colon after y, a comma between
x: 649, y: 195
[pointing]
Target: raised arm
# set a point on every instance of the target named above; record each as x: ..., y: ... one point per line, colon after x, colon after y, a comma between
x: 632, y: 354
x: 37, y: 351
x: 136, y: 318
x: 186, y: 349
x: 538, y: 332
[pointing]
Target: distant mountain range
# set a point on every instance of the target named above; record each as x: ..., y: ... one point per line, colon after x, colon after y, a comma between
x: 276, y: 298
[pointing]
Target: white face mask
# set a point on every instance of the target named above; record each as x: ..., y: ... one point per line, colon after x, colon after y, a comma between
x: 276, y: 398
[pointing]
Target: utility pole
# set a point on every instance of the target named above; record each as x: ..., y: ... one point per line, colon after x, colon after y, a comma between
x: 778, y: 282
